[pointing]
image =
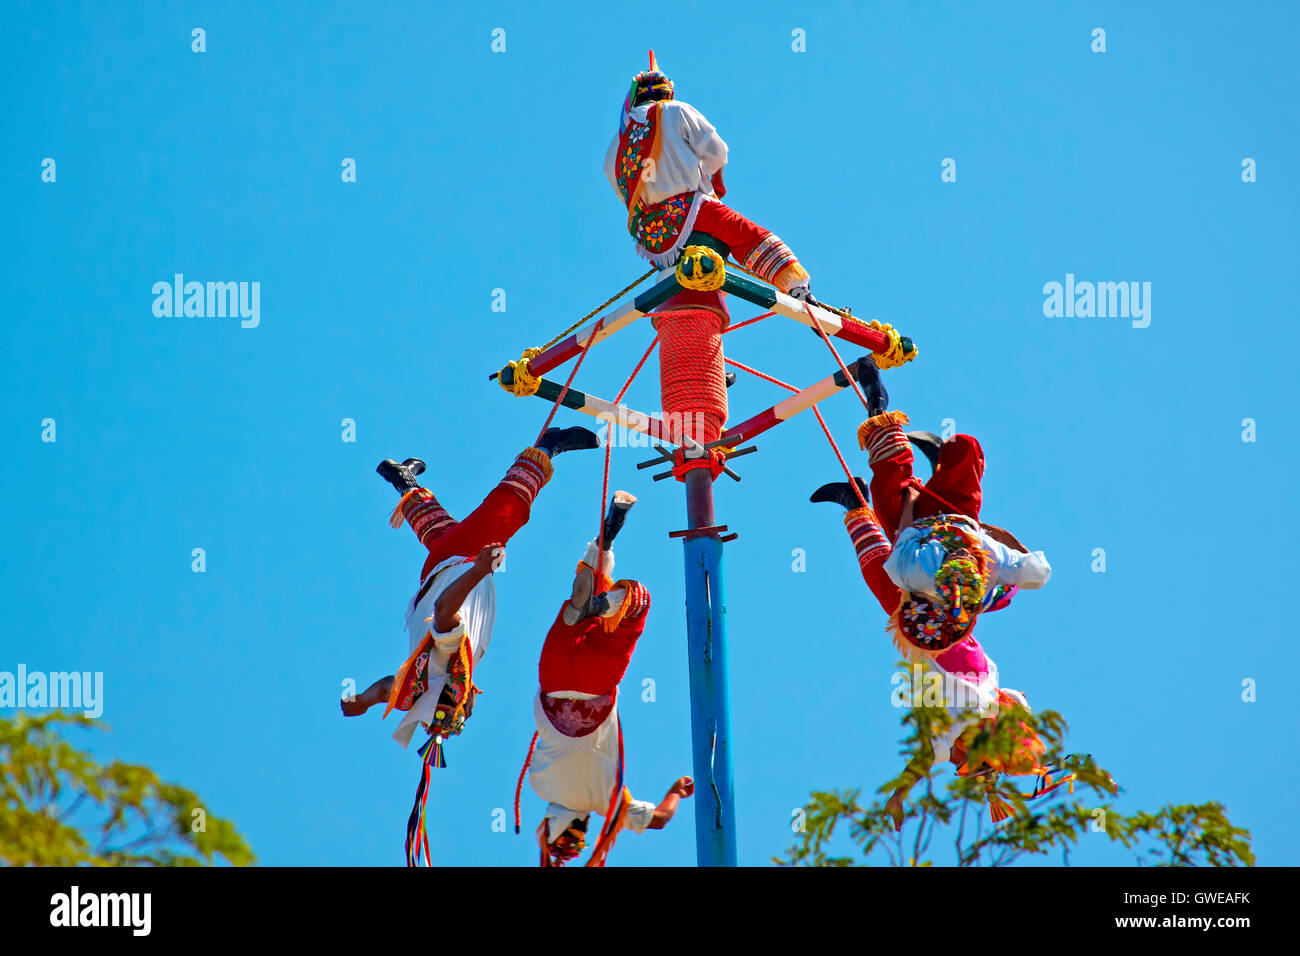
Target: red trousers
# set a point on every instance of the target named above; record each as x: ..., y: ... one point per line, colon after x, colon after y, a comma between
x: 954, y: 488
x: 584, y: 657
x: 501, y: 514
x: 725, y: 224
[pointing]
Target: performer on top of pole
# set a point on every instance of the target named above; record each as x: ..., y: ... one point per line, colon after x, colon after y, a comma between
x: 665, y: 162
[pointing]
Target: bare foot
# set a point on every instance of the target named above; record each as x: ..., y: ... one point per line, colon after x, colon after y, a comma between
x: 354, y: 707
x: 376, y: 693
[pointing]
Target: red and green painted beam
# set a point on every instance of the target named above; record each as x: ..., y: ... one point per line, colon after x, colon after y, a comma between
x: 599, y: 408
x: 841, y: 327
x: 607, y: 411
x: 801, y: 401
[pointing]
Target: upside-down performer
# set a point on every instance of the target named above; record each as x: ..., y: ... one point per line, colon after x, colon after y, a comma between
x: 665, y: 162
x: 942, y: 571
x: 575, y: 762
x: 449, y: 620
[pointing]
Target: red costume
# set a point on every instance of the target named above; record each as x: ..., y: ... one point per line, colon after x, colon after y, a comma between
x: 503, y: 512
x: 954, y: 488
x: 589, y: 657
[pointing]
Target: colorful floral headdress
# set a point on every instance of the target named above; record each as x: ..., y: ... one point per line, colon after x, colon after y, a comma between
x: 652, y: 81
x: 931, y: 626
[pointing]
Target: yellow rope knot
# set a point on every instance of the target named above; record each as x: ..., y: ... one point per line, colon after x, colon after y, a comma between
x: 522, y: 382
x: 702, y: 269
x: 894, y: 356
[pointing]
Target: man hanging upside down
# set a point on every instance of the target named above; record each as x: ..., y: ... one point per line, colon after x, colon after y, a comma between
x: 576, y: 763
x: 666, y: 164
x: 942, y: 571
x: 449, y: 621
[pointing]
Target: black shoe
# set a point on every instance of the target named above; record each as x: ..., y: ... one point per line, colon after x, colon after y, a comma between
x: 841, y: 492
x: 730, y: 379
x: 929, y: 444
x: 617, y: 514
x: 873, y: 388
x: 402, y: 477
x: 557, y: 440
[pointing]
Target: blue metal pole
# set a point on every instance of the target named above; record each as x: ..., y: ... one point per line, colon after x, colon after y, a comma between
x: 706, y: 642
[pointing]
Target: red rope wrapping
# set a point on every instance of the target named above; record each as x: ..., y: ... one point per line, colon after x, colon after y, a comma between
x: 565, y: 391
x: 691, y: 373
x: 713, y: 460
x: 821, y: 421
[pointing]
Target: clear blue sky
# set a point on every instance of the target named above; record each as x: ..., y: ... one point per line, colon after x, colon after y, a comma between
x: 478, y: 171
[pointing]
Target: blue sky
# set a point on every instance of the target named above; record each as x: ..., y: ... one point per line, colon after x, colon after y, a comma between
x: 479, y: 170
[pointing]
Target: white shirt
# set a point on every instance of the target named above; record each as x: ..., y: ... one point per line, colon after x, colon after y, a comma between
x: 690, y: 152
x: 912, y: 565
x: 577, y: 775
x: 477, y: 615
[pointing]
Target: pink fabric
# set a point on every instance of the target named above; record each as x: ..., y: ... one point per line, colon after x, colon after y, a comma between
x: 964, y: 657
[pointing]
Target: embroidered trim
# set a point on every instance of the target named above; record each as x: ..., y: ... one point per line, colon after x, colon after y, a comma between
x: 883, y: 420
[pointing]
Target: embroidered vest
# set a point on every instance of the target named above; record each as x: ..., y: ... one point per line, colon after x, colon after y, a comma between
x: 655, y: 226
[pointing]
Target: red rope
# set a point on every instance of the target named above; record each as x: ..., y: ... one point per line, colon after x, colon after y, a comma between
x: 565, y: 391
x: 843, y: 368
x: 741, y: 325
x: 816, y: 411
x: 766, y: 378
x: 520, y: 785
x: 852, y: 481
x: 604, y: 488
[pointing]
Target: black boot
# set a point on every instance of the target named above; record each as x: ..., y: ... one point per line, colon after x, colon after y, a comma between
x: 841, y: 492
x: 402, y: 477
x: 929, y: 444
x: 868, y: 375
x: 557, y: 440
x: 617, y: 514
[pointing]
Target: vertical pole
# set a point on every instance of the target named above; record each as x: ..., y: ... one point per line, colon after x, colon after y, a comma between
x: 706, y: 642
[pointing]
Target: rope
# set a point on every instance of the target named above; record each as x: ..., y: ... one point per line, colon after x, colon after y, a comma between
x: 604, y: 488
x: 843, y: 368
x: 520, y: 785
x: 852, y: 481
x: 565, y: 391
x: 603, y: 305
x: 691, y: 380
x: 821, y: 421
x: 766, y: 378
x: 842, y: 313
x: 741, y: 325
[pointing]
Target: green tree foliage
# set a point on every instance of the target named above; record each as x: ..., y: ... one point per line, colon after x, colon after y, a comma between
x: 959, y: 809
x: 60, y: 807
